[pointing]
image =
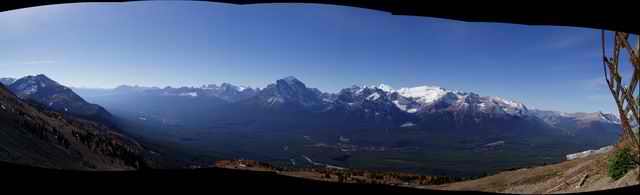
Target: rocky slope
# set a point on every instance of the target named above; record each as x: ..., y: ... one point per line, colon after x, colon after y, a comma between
x: 36, y: 136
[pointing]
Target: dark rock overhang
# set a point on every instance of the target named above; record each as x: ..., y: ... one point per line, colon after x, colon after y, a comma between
x: 589, y: 14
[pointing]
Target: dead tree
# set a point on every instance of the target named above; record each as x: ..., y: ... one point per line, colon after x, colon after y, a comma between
x: 625, y: 95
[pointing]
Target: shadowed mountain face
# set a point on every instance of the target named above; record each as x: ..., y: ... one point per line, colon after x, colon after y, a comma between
x: 42, y: 90
x: 288, y: 92
x: 36, y: 136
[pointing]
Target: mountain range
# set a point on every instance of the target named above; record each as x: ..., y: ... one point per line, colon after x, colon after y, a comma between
x: 428, y: 120
x: 369, y: 106
x: 404, y: 107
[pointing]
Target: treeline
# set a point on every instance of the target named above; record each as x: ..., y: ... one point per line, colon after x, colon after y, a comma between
x: 104, y: 144
x: 39, y: 128
x: 348, y: 175
x: 99, y: 138
x: 380, y: 177
x: 50, y: 127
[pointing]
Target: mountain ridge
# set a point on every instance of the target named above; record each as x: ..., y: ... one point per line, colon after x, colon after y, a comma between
x: 361, y: 107
x: 373, y: 119
x: 409, y: 99
x: 55, y: 96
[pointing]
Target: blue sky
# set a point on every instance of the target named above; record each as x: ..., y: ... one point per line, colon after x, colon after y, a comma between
x: 327, y: 47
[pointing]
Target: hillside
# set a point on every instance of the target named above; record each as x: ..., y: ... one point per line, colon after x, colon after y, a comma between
x: 38, y: 137
x: 579, y: 175
x: 586, y: 174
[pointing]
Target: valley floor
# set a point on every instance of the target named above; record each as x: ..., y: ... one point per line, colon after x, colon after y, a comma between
x: 578, y: 175
x: 535, y: 180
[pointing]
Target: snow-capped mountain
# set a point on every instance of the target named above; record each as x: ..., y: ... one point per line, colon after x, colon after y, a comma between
x: 595, y: 125
x: 34, y: 86
x: 425, y: 99
x: 52, y: 95
x: 424, y: 95
x: 383, y: 100
x: 376, y: 114
x: 135, y: 88
x: 290, y: 91
x: 375, y: 102
x: 7, y: 81
x: 225, y: 91
x: 426, y: 117
x: 372, y: 102
x: 289, y: 101
x: 410, y: 104
x: 230, y: 92
x: 436, y: 98
x: 555, y: 117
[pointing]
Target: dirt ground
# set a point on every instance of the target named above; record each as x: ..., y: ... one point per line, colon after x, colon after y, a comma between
x: 579, y: 175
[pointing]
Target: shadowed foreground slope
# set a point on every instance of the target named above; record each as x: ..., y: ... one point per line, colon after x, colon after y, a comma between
x: 210, y: 180
x: 35, y: 136
x: 579, y: 175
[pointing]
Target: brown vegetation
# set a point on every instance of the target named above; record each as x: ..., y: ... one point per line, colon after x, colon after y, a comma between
x: 340, y: 175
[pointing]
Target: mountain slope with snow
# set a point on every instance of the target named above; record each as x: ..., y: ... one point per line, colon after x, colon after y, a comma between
x: 52, y: 95
x: 7, y: 81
